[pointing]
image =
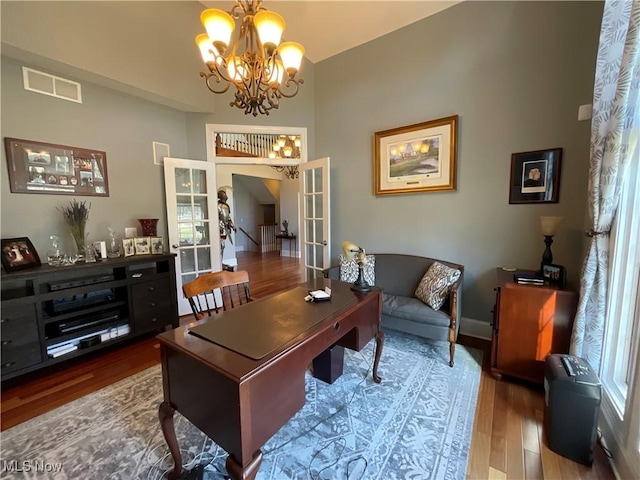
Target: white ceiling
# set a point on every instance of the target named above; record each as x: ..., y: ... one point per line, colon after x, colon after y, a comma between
x: 326, y: 28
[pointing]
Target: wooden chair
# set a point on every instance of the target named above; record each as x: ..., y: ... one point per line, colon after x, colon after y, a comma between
x: 201, y: 292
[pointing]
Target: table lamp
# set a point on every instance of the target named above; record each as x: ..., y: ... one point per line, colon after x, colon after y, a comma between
x: 351, y: 252
x: 549, y: 228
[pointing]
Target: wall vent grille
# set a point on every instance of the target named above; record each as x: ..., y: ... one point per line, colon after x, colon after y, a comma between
x: 48, y: 84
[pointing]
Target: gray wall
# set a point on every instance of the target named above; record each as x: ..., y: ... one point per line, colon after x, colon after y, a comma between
x: 515, y: 73
x: 121, y: 125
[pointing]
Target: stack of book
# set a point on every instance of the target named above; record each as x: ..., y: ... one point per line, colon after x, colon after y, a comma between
x: 528, y: 279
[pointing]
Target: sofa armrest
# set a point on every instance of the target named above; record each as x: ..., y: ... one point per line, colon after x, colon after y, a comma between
x: 332, y: 272
x: 455, y: 306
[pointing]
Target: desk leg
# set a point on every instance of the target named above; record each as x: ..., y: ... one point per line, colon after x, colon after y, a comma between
x: 379, y: 344
x: 238, y: 473
x: 165, y: 415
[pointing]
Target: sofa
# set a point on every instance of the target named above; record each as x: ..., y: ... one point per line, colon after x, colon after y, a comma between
x: 399, y: 275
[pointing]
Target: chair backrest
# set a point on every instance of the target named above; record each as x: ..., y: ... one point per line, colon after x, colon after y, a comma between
x: 212, y: 291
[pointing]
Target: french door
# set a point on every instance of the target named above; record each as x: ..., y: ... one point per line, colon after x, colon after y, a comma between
x: 192, y: 220
x: 315, y: 232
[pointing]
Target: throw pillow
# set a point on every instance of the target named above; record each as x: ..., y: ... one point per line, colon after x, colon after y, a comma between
x: 349, y: 270
x: 436, y: 284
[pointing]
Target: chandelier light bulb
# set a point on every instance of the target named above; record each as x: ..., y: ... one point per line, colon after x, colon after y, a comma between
x: 287, y: 151
x: 277, y: 72
x: 236, y: 70
x: 270, y: 26
x: 276, y: 147
x: 282, y: 141
x: 297, y: 142
x: 204, y: 44
x: 219, y: 25
x: 291, y: 54
x: 272, y: 154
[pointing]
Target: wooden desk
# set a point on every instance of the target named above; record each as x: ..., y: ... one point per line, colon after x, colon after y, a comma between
x: 240, y: 402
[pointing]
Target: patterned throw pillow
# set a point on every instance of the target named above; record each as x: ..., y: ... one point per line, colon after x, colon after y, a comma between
x: 436, y: 284
x: 349, y: 270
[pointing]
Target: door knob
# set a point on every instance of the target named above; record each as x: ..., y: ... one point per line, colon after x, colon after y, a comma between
x: 324, y: 242
x: 175, y: 245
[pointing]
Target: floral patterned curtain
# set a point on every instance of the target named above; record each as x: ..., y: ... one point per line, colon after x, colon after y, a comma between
x: 614, y: 138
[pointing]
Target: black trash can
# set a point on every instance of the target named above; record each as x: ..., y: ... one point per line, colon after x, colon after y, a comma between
x: 572, y: 394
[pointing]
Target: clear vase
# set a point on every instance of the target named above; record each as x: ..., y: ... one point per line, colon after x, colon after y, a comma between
x: 77, y: 232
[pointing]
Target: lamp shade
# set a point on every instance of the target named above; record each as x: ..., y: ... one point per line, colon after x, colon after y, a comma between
x: 219, y: 25
x: 550, y: 225
x: 270, y: 26
x: 291, y: 54
x: 204, y: 44
x: 350, y: 251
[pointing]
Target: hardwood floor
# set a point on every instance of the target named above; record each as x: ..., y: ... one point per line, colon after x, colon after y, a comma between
x: 508, y: 440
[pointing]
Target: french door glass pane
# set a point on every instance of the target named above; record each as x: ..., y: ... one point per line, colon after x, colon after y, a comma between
x: 185, y: 234
x: 199, y: 181
x: 183, y: 180
x: 187, y: 260
x: 317, y: 175
x: 204, y: 258
x: 200, y: 208
x: 202, y: 233
x: 318, y: 206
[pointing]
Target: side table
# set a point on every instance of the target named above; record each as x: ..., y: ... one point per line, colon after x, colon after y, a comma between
x: 291, y: 239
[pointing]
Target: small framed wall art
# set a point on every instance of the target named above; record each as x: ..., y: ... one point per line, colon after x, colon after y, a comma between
x: 535, y: 176
x: 416, y: 158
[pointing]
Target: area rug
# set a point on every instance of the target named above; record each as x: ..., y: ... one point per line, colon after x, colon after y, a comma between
x: 416, y: 424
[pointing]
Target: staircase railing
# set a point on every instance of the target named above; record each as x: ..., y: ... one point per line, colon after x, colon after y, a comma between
x: 268, y: 237
x: 249, y: 237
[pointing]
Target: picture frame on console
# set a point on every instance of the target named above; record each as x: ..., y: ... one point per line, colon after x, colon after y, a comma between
x: 554, y: 274
x: 142, y: 245
x: 416, y: 158
x: 128, y: 247
x: 535, y: 176
x: 157, y: 245
x: 18, y: 254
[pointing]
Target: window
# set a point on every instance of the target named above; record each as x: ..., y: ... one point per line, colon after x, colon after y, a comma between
x: 620, y: 374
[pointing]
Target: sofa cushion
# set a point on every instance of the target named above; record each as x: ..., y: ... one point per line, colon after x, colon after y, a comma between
x: 349, y: 270
x: 434, y: 287
x: 410, y: 308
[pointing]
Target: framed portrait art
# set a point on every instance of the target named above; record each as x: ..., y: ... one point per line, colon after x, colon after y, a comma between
x: 535, y: 176
x: 416, y: 158
x: 18, y: 253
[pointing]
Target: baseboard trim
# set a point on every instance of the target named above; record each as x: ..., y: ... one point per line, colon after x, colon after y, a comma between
x: 475, y: 328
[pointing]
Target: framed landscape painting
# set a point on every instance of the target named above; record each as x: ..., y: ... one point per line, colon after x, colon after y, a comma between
x: 416, y: 158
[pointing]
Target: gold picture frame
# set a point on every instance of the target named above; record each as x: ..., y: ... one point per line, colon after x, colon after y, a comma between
x: 416, y: 158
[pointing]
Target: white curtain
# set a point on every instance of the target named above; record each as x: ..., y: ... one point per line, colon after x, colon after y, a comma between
x: 614, y: 137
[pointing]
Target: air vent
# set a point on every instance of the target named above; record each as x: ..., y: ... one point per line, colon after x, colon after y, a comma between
x: 47, y: 84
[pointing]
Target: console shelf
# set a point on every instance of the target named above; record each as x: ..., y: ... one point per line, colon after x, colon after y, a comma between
x: 51, y: 314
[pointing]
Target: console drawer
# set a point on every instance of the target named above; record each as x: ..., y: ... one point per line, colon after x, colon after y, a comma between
x: 152, y: 305
x: 20, y: 344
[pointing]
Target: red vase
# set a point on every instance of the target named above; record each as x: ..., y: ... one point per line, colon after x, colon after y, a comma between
x: 149, y: 227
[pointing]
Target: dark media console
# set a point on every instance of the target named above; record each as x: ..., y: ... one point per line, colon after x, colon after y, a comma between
x: 51, y: 314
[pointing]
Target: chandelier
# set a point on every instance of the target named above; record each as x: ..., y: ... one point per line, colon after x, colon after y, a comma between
x: 261, y: 68
x: 286, y: 146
